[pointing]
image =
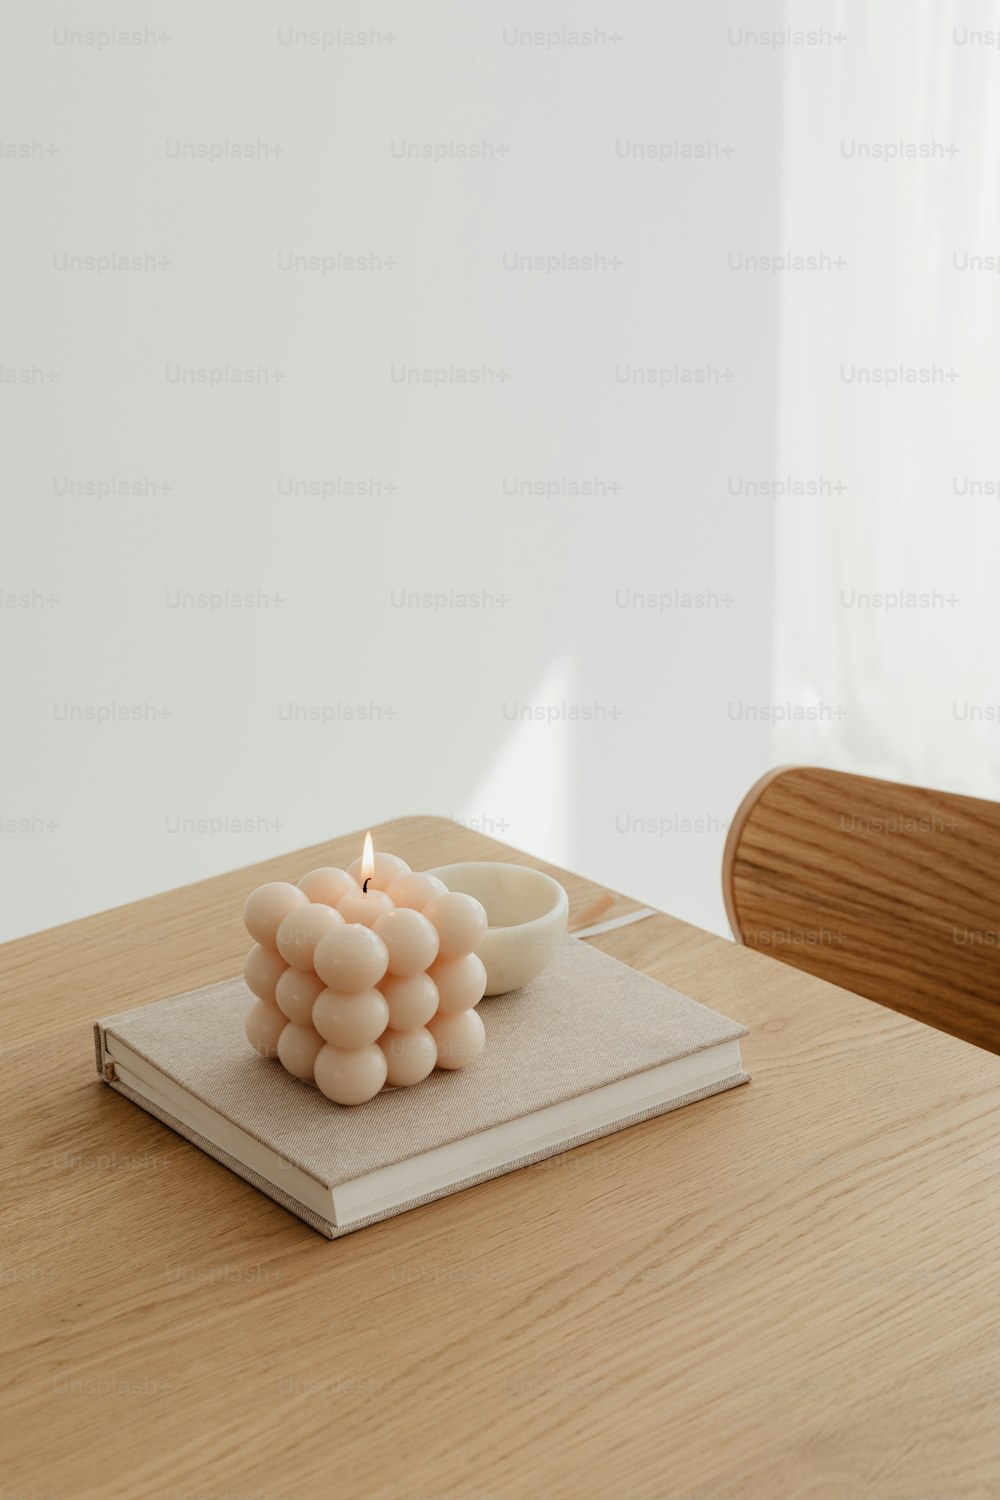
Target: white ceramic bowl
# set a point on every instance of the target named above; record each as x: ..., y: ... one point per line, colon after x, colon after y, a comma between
x: 527, y: 913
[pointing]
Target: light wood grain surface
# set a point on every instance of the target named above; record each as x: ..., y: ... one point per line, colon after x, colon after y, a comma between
x: 786, y: 1291
x: 890, y: 890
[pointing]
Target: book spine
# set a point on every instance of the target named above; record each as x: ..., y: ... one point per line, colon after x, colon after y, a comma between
x: 324, y: 1226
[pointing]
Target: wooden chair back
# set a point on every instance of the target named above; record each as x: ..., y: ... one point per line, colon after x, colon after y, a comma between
x: 891, y: 891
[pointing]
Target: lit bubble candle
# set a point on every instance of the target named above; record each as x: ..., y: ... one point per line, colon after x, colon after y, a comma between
x: 364, y: 977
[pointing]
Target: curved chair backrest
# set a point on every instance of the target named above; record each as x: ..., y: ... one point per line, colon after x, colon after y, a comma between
x: 892, y: 891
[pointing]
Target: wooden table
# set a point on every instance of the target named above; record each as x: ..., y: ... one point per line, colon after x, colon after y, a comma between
x: 789, y: 1290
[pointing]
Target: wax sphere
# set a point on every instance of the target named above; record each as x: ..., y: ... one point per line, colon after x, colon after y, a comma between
x: 295, y: 992
x: 264, y: 1024
x: 411, y: 1001
x: 460, y: 1038
x: 388, y: 867
x: 327, y: 884
x: 364, y: 906
x: 265, y: 908
x: 262, y: 970
x: 298, y: 1047
x: 410, y: 1056
x: 351, y: 958
x: 351, y: 1077
x: 350, y: 1020
x: 412, y: 941
x: 302, y: 929
x: 415, y: 890
x: 460, y: 921
x: 461, y: 982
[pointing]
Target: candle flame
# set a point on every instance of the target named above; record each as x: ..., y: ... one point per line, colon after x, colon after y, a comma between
x: 367, y: 861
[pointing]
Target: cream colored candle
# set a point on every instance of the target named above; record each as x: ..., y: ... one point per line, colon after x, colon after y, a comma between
x: 350, y: 959
x: 264, y: 1025
x: 365, y: 906
x: 415, y: 890
x: 350, y: 1077
x: 350, y: 1021
x: 411, y: 1001
x: 327, y: 884
x: 262, y: 970
x: 302, y: 929
x: 364, y: 977
x: 460, y: 921
x: 296, y: 993
x: 412, y: 942
x: 377, y: 871
x: 459, y: 1038
x: 460, y: 982
x: 410, y: 1056
x: 298, y: 1047
x: 266, y: 906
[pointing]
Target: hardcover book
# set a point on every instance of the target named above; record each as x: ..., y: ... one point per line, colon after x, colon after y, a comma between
x: 588, y: 1048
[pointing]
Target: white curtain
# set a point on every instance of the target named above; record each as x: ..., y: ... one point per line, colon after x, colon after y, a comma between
x: 888, y: 395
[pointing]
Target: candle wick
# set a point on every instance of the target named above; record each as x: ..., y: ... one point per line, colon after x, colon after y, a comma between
x: 365, y: 886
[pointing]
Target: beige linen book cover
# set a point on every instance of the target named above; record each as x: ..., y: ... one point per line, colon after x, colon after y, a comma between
x: 588, y: 1048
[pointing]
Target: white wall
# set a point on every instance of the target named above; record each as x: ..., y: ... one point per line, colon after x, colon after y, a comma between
x: 96, y: 812
x: 888, y: 611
